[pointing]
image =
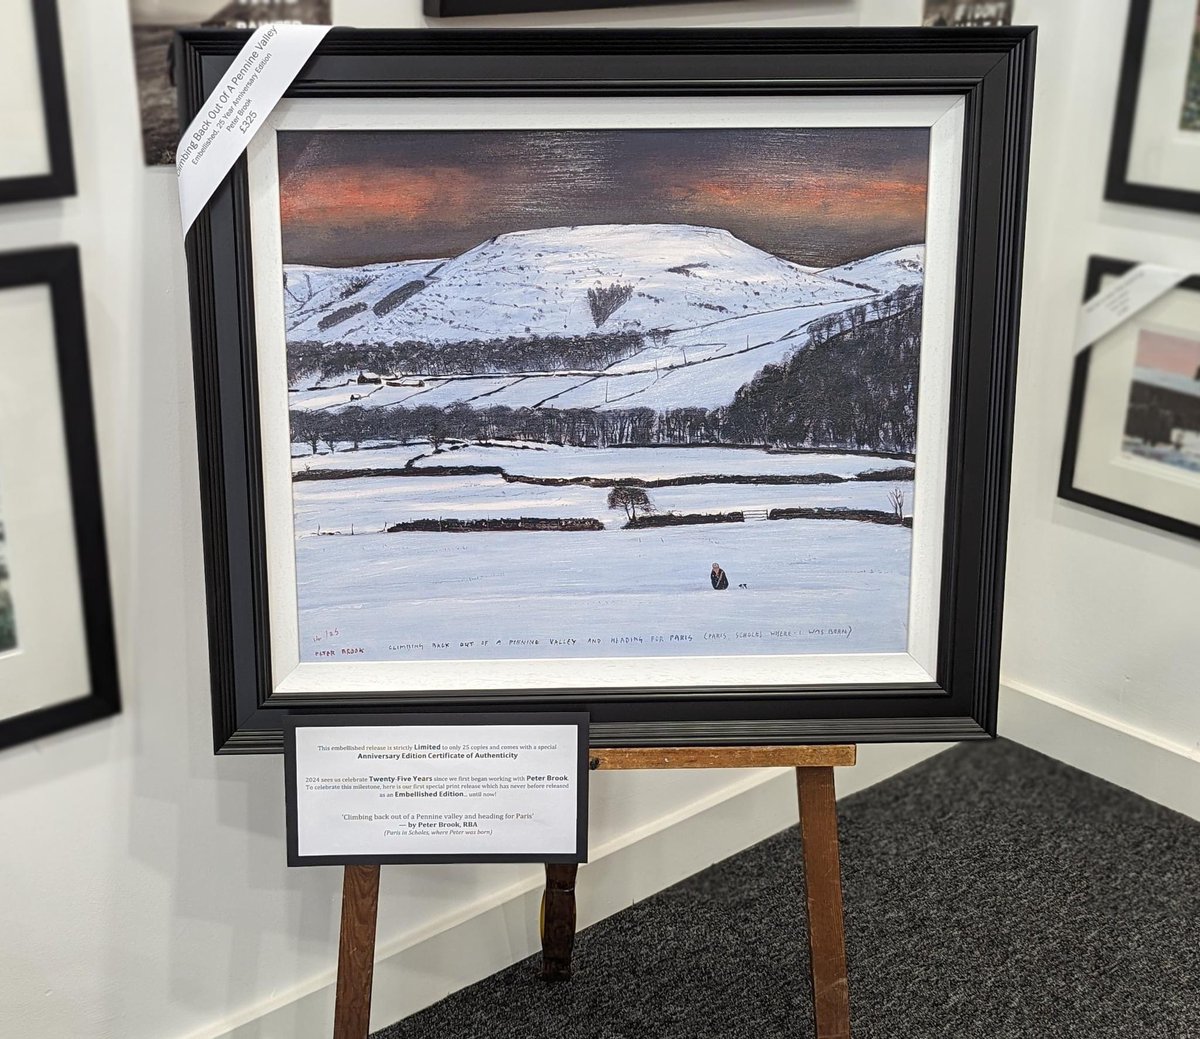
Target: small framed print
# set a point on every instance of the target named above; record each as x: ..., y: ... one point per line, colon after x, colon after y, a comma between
x: 154, y: 23
x: 540, y: 371
x: 1155, y: 153
x: 1132, y: 445
x: 35, y: 133
x: 457, y: 8
x: 972, y: 13
x: 57, y: 653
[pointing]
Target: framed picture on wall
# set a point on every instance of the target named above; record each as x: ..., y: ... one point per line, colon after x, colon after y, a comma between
x: 35, y: 132
x: 1155, y: 154
x: 975, y: 13
x: 154, y: 23
x: 456, y: 8
x: 1132, y: 445
x: 57, y: 654
x: 558, y: 372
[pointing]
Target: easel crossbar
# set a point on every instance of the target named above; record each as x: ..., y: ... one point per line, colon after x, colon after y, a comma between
x: 723, y: 757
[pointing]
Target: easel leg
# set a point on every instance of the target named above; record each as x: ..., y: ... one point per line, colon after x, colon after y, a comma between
x: 356, y: 952
x: 558, y: 921
x: 823, y: 880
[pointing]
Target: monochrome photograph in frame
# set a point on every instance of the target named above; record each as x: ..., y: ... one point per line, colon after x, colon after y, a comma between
x: 1155, y: 152
x: 459, y: 8
x: 974, y: 13
x: 57, y: 651
x: 154, y: 23
x: 605, y: 399
x: 1132, y: 444
x: 35, y: 135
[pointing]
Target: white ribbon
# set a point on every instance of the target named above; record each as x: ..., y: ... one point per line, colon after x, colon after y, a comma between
x: 237, y: 109
x: 1121, y: 299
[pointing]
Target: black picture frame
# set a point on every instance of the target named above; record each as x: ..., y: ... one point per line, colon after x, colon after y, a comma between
x: 59, y: 181
x: 990, y: 69
x: 296, y: 720
x: 1117, y: 185
x: 1098, y: 268
x: 460, y: 8
x: 58, y: 268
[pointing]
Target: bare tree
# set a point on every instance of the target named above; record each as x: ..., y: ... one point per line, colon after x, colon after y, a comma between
x: 896, y: 497
x: 306, y: 429
x: 630, y: 499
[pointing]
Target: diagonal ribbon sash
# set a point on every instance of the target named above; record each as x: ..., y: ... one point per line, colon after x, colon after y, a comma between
x: 237, y: 109
x: 1121, y: 299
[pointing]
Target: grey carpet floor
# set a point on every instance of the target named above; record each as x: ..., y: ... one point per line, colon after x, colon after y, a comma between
x: 991, y: 893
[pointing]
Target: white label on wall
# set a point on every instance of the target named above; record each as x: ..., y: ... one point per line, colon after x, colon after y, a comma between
x: 437, y: 792
x: 235, y: 110
x: 1121, y: 299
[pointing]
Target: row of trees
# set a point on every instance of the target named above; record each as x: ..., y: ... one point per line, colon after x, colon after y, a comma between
x: 351, y: 427
x: 528, y: 353
x: 855, y: 389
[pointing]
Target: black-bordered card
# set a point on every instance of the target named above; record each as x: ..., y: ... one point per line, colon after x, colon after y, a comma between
x: 375, y: 789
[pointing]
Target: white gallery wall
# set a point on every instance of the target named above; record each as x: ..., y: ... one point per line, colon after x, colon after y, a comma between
x: 142, y: 888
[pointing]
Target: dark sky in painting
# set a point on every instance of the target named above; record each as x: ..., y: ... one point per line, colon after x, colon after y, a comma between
x: 814, y: 196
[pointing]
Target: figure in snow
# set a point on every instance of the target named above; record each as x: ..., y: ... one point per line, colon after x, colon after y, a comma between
x: 720, y: 579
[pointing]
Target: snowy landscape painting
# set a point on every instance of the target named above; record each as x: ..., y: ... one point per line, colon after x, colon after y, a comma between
x: 1162, y: 423
x: 588, y: 393
x: 8, y: 618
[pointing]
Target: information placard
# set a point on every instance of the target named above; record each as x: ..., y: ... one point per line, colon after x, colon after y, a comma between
x: 366, y: 789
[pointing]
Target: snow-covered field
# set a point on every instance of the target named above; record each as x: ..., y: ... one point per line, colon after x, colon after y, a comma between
x: 812, y: 586
x: 369, y: 504
x: 555, y: 460
x: 1183, y: 454
x: 659, y: 462
x: 380, y: 590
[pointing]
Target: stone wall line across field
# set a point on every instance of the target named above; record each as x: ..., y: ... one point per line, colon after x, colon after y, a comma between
x: 901, y: 473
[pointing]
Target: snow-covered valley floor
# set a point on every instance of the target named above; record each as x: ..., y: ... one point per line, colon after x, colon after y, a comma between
x: 811, y: 585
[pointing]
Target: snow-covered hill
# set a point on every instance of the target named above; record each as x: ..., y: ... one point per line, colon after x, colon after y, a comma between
x: 641, y: 277
x: 316, y: 292
x: 883, y: 272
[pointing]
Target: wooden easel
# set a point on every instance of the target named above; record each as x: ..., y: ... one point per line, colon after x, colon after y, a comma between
x: 822, y: 871
x: 822, y: 874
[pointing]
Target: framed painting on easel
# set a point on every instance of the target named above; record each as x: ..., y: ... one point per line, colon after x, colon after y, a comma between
x: 560, y: 373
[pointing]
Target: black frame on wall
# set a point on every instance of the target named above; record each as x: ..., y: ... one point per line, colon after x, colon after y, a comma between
x: 58, y: 268
x: 60, y: 180
x: 991, y: 70
x: 1098, y: 268
x: 1117, y: 186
